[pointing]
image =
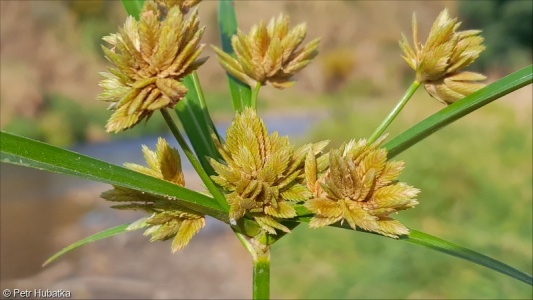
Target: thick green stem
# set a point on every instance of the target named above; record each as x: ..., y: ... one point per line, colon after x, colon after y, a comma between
x: 408, y: 94
x: 255, y: 92
x: 261, y: 264
x: 194, y: 161
x: 261, y: 273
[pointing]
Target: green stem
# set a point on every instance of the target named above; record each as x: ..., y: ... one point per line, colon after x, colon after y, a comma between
x: 194, y: 161
x: 261, y: 264
x: 199, y: 91
x: 255, y: 92
x: 261, y: 273
x: 201, y: 100
x: 408, y: 94
x: 244, y: 241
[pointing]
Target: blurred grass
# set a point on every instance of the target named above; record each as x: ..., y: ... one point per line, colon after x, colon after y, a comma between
x: 482, y: 201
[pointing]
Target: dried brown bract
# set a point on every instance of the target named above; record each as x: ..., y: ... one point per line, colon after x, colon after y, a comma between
x: 150, y: 59
x: 269, y: 54
x: 438, y: 61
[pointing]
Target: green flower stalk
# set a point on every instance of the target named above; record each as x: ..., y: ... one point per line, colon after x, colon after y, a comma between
x: 359, y: 187
x: 269, y: 54
x: 169, y: 220
x: 438, y: 61
x: 150, y: 59
x: 262, y: 174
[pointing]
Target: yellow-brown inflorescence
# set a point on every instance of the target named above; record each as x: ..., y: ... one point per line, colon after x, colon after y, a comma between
x: 150, y: 59
x: 438, y: 61
x: 168, y: 219
x: 269, y: 54
x: 184, y: 5
x: 359, y: 187
x: 263, y: 174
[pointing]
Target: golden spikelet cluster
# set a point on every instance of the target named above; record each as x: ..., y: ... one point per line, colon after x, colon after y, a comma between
x: 263, y: 174
x: 168, y: 219
x: 438, y: 61
x: 269, y: 54
x: 184, y: 5
x: 150, y: 59
x: 359, y: 187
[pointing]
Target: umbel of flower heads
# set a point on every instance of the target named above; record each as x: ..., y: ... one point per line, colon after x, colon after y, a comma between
x: 262, y: 174
x: 360, y: 187
x: 269, y: 54
x: 168, y: 219
x: 438, y: 61
x: 150, y: 58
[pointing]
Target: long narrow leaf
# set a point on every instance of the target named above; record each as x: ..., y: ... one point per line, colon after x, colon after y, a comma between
x: 459, y: 109
x: 93, y: 238
x: 443, y: 246
x: 197, y: 123
x: 429, y: 241
x: 133, y: 7
x: 26, y: 152
x: 227, y: 22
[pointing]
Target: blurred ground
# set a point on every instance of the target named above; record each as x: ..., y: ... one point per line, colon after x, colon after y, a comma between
x: 213, y: 266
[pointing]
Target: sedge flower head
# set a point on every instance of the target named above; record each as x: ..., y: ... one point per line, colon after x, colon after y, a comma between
x: 359, y: 187
x: 438, y: 62
x: 168, y: 219
x: 150, y: 59
x: 262, y: 174
x: 269, y: 54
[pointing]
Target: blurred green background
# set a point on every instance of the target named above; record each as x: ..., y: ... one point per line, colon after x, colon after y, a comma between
x: 475, y: 175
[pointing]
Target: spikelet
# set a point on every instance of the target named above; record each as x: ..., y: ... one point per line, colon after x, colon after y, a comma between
x: 438, y: 61
x: 360, y: 188
x: 269, y: 54
x: 262, y: 174
x: 150, y: 59
x: 168, y: 219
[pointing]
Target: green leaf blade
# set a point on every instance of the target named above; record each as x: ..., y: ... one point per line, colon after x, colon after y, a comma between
x: 93, y: 238
x: 241, y: 93
x: 440, y: 245
x: 133, y: 7
x: 434, y: 243
x: 458, y: 110
x: 197, y: 123
x: 26, y: 152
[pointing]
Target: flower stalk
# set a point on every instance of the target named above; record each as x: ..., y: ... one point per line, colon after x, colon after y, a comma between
x: 395, y: 111
x: 255, y: 93
x: 194, y: 161
x: 261, y: 274
x: 201, y: 97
